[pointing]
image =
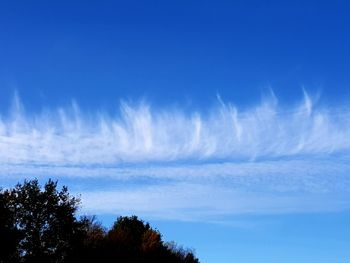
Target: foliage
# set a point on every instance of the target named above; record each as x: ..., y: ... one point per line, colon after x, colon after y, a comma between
x: 45, y: 220
x: 40, y: 225
x: 9, y: 234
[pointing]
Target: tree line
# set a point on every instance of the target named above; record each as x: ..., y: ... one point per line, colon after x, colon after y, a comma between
x: 41, y: 225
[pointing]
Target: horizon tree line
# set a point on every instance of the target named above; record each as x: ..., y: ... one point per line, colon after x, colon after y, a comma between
x: 41, y: 225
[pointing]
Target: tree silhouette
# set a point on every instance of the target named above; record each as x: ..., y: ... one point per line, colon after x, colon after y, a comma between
x: 129, y: 240
x: 9, y: 234
x: 40, y: 225
x: 45, y: 219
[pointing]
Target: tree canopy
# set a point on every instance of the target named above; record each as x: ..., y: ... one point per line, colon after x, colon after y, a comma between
x: 41, y: 225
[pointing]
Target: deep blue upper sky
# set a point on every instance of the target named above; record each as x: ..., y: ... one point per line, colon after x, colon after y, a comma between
x: 172, y: 51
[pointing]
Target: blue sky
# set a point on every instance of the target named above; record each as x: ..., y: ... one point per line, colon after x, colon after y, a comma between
x: 224, y: 124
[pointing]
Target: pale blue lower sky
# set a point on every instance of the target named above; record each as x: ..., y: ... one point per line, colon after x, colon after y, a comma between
x: 303, y: 238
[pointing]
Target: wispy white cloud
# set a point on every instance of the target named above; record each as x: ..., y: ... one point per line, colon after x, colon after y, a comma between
x: 186, y: 165
x: 142, y: 134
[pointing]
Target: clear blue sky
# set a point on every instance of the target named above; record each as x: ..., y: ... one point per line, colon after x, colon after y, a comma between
x: 223, y: 123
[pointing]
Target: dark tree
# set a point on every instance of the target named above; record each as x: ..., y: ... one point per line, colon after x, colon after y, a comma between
x: 9, y: 234
x: 40, y: 225
x: 45, y: 218
x: 134, y: 241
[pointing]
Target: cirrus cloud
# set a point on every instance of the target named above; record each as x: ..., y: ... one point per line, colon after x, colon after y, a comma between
x: 186, y: 164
